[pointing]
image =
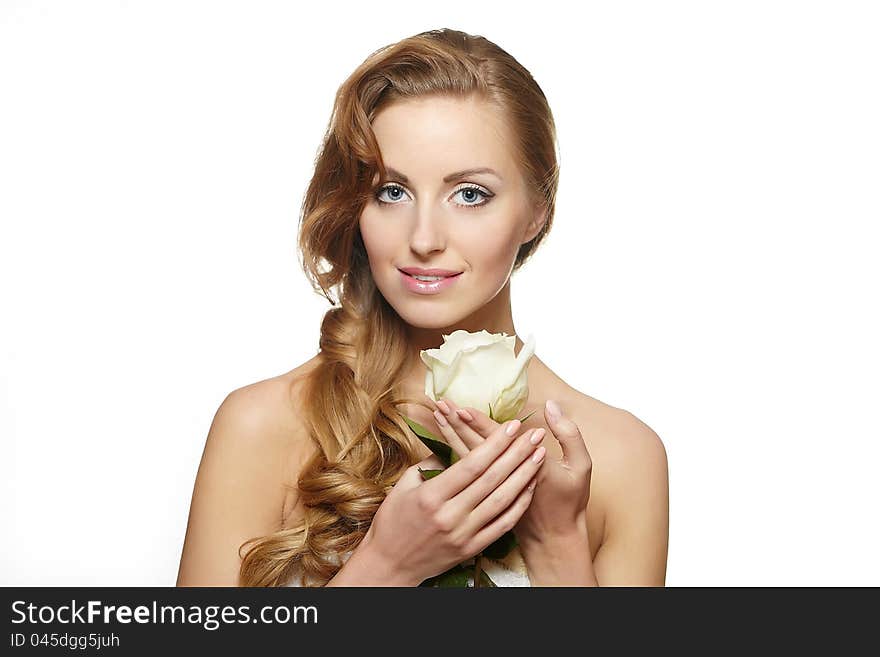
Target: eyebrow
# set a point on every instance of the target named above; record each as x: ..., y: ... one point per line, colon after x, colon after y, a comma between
x: 452, y: 176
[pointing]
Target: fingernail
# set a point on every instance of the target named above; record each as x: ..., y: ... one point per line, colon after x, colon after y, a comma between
x: 553, y: 410
x: 464, y: 415
x: 443, y: 406
x: 537, y: 437
x: 512, y: 427
x: 539, y: 454
x: 440, y: 419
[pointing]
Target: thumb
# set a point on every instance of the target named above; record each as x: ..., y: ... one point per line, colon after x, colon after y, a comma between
x: 569, y: 436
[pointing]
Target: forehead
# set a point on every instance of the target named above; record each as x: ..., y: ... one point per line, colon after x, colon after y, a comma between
x: 427, y: 138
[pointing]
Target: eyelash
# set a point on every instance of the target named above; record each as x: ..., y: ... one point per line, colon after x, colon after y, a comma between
x: 485, y: 194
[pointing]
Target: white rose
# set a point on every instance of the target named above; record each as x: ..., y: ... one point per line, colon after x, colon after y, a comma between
x: 480, y: 370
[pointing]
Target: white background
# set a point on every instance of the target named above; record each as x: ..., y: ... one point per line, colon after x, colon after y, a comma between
x: 716, y: 220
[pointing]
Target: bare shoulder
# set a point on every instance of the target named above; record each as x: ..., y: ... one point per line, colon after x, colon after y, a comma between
x: 630, y: 480
x: 270, y: 411
x: 630, y: 470
x: 618, y: 434
x: 272, y: 407
x: 621, y: 445
x: 239, y: 491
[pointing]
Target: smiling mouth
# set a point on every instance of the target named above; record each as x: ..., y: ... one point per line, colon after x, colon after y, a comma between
x: 429, y: 279
x: 431, y: 285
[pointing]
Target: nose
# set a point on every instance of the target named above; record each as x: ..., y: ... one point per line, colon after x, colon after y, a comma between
x: 428, y: 235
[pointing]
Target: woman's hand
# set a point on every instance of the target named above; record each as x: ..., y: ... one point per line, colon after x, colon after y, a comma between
x: 424, y: 527
x: 563, y: 485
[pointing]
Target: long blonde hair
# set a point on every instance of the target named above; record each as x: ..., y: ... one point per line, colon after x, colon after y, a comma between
x: 350, y: 398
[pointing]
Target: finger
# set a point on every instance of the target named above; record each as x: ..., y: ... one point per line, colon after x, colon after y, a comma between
x: 469, y: 436
x: 504, y: 522
x: 448, y: 432
x: 479, y: 422
x: 504, y: 495
x: 574, y: 451
x: 464, y: 471
x: 469, y: 499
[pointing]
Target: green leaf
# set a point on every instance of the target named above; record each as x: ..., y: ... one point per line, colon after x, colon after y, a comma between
x: 485, y: 580
x: 442, y: 450
x: 457, y: 576
x: 454, y: 457
x: 418, y: 429
x: 502, y: 546
x: 491, y: 417
x: 528, y: 416
x: 429, y: 474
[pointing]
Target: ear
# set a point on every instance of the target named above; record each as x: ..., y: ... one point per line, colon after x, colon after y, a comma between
x: 535, y: 225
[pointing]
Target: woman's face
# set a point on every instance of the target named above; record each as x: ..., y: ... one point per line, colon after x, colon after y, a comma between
x: 422, y: 217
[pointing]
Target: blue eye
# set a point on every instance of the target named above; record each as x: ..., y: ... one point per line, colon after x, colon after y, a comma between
x: 469, y: 193
x: 387, y: 188
x: 474, y: 192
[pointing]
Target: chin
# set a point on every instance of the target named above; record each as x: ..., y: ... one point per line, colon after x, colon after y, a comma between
x: 430, y: 326
x: 428, y: 319
x: 427, y: 314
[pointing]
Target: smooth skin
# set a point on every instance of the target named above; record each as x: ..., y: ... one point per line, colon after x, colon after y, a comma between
x: 553, y: 532
x: 424, y: 527
x: 563, y: 485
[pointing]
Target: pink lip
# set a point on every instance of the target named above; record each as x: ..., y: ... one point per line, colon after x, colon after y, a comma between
x: 427, y: 287
x: 418, y: 271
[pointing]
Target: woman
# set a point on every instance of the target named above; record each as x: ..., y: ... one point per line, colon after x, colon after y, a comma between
x: 440, y: 154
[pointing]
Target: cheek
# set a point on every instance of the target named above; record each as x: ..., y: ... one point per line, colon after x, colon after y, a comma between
x: 494, y: 245
x: 375, y: 240
x: 490, y: 253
